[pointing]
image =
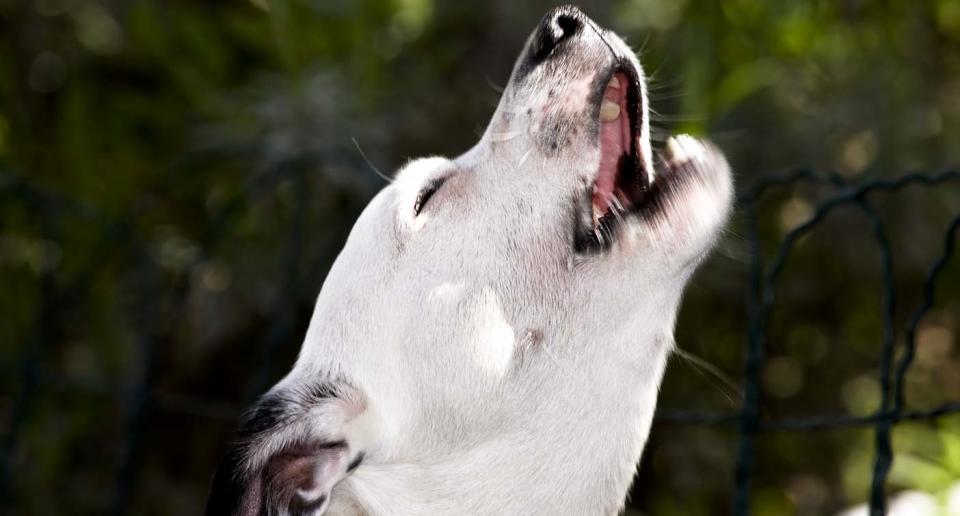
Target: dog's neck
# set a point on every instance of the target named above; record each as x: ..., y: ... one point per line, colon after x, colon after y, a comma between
x: 584, y: 468
x: 531, y: 465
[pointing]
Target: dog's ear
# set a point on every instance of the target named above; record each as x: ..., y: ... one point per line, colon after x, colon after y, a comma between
x: 291, y: 449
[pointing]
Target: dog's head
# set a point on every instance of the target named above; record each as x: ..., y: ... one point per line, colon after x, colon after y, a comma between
x: 500, y: 314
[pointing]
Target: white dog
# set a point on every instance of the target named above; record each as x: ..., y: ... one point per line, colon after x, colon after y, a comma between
x: 492, y: 337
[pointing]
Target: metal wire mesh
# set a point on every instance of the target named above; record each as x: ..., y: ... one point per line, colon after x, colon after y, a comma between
x: 761, y: 294
x: 749, y: 421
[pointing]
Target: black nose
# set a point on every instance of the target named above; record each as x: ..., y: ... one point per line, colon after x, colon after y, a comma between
x: 557, y: 26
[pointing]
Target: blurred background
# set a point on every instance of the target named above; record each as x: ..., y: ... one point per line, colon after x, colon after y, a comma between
x: 177, y: 176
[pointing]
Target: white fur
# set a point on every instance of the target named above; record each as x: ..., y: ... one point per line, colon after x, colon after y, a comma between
x: 502, y: 372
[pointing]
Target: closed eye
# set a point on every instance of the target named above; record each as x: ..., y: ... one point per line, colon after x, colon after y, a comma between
x: 426, y: 193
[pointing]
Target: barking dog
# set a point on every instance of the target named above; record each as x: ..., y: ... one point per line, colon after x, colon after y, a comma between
x: 492, y: 336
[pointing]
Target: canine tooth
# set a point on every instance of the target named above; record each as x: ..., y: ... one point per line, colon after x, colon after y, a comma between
x: 609, y: 111
x: 614, y: 83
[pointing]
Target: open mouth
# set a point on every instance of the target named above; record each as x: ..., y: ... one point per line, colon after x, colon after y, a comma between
x: 621, y: 181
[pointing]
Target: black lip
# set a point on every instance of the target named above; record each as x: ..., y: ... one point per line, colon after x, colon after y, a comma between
x: 631, y: 176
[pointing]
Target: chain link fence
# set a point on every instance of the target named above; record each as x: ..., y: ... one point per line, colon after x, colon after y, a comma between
x: 761, y: 298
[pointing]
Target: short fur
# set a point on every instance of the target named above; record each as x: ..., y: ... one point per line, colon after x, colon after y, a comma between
x: 465, y: 356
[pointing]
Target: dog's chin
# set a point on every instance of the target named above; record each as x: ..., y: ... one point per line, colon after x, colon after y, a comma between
x: 630, y: 188
x: 681, y: 210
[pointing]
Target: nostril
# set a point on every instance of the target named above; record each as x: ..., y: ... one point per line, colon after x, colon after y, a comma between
x: 555, y: 29
x: 565, y: 26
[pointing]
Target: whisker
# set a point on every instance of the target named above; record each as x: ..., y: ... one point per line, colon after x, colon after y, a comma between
x: 643, y: 46
x: 652, y: 75
x: 373, y: 167
x: 675, y: 118
x: 727, y: 386
x: 657, y: 97
x: 505, y: 137
x: 524, y: 157
x: 496, y: 87
x: 656, y: 84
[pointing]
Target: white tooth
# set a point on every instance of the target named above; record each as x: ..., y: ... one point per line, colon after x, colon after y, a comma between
x: 614, y: 83
x: 609, y: 111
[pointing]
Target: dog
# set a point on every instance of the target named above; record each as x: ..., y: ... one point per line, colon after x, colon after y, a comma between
x: 492, y: 337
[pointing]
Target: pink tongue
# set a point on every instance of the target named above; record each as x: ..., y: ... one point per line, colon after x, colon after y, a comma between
x: 613, y: 144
